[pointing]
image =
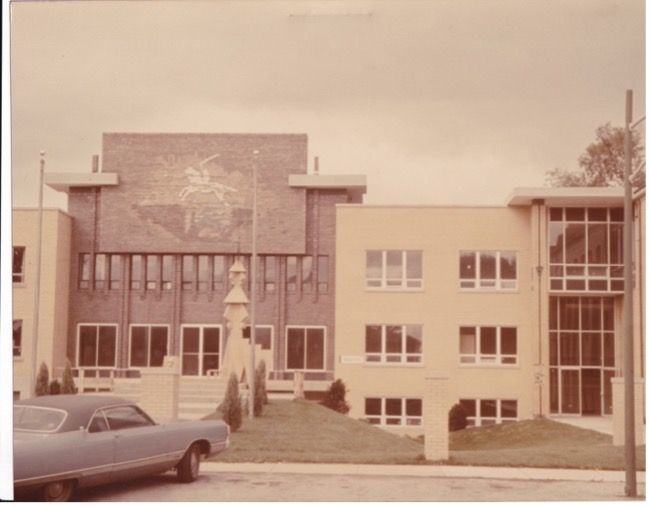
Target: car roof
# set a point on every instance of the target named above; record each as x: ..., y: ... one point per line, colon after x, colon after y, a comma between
x: 80, y: 407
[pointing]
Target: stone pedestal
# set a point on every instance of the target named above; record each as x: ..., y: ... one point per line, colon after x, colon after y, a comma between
x: 618, y: 411
x: 159, y: 389
x: 436, y: 416
x: 298, y: 385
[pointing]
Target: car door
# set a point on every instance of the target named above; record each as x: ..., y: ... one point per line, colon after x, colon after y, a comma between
x: 140, y: 444
x: 95, y: 451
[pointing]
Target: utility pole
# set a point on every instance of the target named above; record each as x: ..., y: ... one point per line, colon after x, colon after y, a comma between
x: 251, y: 376
x: 628, y: 355
x: 37, y: 281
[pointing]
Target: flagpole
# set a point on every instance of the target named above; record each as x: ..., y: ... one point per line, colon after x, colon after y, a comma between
x: 251, y: 376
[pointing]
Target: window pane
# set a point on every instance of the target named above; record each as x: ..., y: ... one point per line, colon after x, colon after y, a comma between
x: 218, y: 271
x: 190, y: 339
x: 211, y: 338
x: 554, y: 384
x: 323, y: 273
x: 394, y: 339
x: 167, y: 272
x: 87, y: 346
x: 508, y: 340
x: 188, y: 271
x: 116, y: 271
x: 373, y: 339
x: 296, y: 349
x: 468, y: 265
x: 414, y: 339
x: 18, y: 263
x: 608, y: 314
x: 204, y: 272
x: 414, y: 265
x: 136, y: 271
x: 609, y: 351
x: 84, y: 271
x: 315, y: 349
x: 269, y: 273
x: 575, y: 244
x: 556, y: 242
x: 597, y: 214
x: 553, y: 346
x: 100, y: 270
x: 616, y: 214
x: 17, y: 337
x: 414, y: 407
x: 394, y: 264
x: 139, y: 346
x: 107, y: 345
x: 508, y: 265
x: 569, y: 316
x: 306, y: 273
x: 373, y: 264
x: 575, y: 214
x: 616, y: 244
x: 468, y: 340
x: 292, y: 263
x: 591, y: 313
x: 263, y: 337
x: 552, y: 309
x: 597, y: 244
x: 570, y: 391
x: 509, y: 408
x: 488, y: 408
x: 569, y: 345
x: 488, y: 340
x: 373, y: 406
x: 591, y: 355
x: 488, y: 266
x: 393, y: 406
x: 556, y: 214
x: 158, y: 345
x: 152, y: 271
x: 469, y: 406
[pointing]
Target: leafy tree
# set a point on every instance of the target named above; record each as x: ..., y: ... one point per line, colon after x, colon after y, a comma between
x: 603, y: 162
x: 231, y: 406
x: 335, y: 397
x: 42, y: 381
x: 457, y: 418
x: 67, y: 381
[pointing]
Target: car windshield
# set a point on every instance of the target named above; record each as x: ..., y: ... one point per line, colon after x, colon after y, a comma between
x: 37, y: 418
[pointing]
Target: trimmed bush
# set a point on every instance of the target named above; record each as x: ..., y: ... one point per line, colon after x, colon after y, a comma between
x: 260, y: 389
x: 231, y: 406
x: 335, y: 397
x: 42, y: 381
x: 457, y: 418
x: 67, y: 381
x: 55, y: 387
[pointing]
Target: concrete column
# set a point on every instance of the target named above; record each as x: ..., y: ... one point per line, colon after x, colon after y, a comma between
x: 618, y: 411
x: 436, y: 416
x: 159, y: 389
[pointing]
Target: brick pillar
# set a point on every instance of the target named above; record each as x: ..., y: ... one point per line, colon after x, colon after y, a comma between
x: 436, y: 416
x: 618, y: 411
x: 159, y: 389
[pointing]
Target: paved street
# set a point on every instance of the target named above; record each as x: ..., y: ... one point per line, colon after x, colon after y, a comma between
x: 230, y: 486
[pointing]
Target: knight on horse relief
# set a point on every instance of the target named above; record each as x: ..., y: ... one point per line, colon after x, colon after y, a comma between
x: 200, y: 182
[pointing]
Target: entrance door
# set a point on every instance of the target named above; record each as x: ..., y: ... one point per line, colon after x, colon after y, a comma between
x: 591, y: 391
x: 201, y: 350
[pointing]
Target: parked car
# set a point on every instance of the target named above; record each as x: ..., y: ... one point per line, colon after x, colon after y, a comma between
x: 65, y: 442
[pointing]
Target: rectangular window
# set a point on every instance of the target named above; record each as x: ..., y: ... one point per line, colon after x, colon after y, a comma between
x: 167, y: 272
x: 323, y: 274
x: 18, y: 337
x: 269, y: 273
x: 100, y: 271
x: 97, y: 345
x: 148, y: 345
x: 394, y: 269
x: 203, y: 275
x: 486, y: 412
x: 84, y: 271
x: 201, y: 350
x: 18, y: 269
x: 307, y: 268
x: 263, y: 336
x: 153, y: 271
x: 136, y: 272
x: 488, y: 270
x: 292, y: 273
x: 394, y: 344
x: 305, y: 348
x: 585, y: 249
x: 115, y: 275
x: 218, y: 272
x: 488, y: 345
x: 394, y: 411
x: 188, y: 272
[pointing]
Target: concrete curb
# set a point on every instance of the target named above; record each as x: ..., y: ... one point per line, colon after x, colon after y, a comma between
x: 539, y: 474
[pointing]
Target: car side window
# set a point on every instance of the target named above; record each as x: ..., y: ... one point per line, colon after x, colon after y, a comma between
x: 126, y: 417
x: 98, y: 423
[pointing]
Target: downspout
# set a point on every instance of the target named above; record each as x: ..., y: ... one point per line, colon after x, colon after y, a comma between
x: 539, y: 269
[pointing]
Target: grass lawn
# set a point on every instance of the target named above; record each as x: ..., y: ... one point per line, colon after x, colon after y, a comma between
x: 302, y: 431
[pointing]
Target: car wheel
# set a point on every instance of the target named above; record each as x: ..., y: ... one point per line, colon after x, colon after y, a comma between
x: 188, y: 467
x: 59, y: 491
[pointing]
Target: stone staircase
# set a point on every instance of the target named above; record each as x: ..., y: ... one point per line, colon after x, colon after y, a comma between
x: 197, y: 396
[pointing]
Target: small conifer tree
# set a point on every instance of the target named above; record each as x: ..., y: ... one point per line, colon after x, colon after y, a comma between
x: 260, y: 389
x: 335, y: 397
x: 55, y: 387
x: 42, y: 381
x: 231, y: 406
x: 67, y: 381
x: 457, y: 418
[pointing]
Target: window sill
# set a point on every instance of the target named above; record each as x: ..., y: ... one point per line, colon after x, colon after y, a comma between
x: 398, y: 289
x: 19, y: 285
x: 393, y: 365
x: 490, y: 366
x: 489, y: 291
x: 19, y: 359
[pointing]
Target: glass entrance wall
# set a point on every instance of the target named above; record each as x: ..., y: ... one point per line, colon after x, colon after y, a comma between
x: 201, y: 350
x: 581, y: 354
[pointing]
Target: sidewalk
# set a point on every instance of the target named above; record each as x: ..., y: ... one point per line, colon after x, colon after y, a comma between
x: 540, y: 474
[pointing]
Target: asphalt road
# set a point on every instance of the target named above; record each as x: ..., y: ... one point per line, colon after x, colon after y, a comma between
x: 234, y: 487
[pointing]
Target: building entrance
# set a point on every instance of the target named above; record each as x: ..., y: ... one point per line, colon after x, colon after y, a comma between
x: 200, y: 350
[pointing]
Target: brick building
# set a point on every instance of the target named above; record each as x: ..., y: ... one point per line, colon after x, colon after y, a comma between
x: 154, y: 232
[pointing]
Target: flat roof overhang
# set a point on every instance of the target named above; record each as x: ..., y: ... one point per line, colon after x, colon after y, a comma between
x: 63, y: 182
x: 567, y: 196
x: 355, y: 184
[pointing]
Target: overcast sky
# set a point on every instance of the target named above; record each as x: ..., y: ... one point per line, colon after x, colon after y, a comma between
x: 435, y: 101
